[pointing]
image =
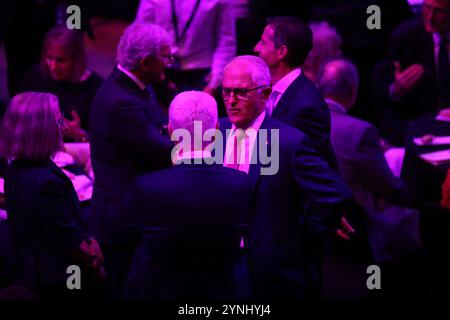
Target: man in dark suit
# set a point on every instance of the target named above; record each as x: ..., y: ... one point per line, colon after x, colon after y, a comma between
x: 393, y: 229
x: 282, y: 231
x: 295, y: 100
x: 126, y: 136
x: 187, y: 219
x: 126, y: 133
x: 418, y: 75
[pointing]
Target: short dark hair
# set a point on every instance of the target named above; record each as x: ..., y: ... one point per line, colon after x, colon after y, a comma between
x: 295, y: 35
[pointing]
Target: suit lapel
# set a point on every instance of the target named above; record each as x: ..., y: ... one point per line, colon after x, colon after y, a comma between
x: 146, y: 96
x: 283, y: 104
x: 255, y: 169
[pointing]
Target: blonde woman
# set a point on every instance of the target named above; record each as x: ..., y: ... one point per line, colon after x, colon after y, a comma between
x: 42, y: 206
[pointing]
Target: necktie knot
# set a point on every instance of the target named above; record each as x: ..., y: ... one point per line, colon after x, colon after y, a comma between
x: 271, y: 102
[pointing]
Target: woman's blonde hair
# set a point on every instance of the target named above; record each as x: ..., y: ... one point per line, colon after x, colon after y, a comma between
x: 31, y: 127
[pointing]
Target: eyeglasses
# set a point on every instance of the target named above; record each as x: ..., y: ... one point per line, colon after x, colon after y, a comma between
x: 240, y: 93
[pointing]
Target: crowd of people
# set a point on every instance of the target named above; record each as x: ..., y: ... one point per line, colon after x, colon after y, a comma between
x: 173, y: 223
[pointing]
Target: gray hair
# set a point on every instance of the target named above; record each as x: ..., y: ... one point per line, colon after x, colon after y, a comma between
x: 31, y: 127
x: 259, y: 70
x: 190, y: 106
x: 338, y: 78
x: 140, y: 40
x: 326, y: 47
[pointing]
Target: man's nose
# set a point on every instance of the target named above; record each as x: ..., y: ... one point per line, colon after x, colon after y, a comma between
x: 52, y: 65
x: 233, y: 98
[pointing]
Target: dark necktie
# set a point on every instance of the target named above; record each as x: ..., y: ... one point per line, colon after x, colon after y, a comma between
x: 443, y: 72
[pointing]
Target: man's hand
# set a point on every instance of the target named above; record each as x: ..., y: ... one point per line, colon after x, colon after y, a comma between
x: 406, y: 80
x: 96, y: 252
x: 345, y: 231
x: 72, y: 128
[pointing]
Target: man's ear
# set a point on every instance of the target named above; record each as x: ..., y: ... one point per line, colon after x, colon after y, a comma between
x: 282, y: 52
x: 145, y: 63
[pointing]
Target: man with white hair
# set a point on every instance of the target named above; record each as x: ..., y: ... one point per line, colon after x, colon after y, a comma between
x: 282, y: 231
x: 126, y: 136
x: 188, y: 218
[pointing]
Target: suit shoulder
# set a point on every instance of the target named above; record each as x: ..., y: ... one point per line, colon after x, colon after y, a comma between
x: 287, y: 132
x: 306, y: 92
x: 352, y: 130
x: 155, y: 176
x: 34, y: 176
x: 351, y: 123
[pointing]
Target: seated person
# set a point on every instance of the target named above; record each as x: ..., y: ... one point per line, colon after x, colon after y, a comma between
x: 188, y: 218
x: 417, y: 75
x: 63, y: 72
x: 43, y: 209
x: 392, y: 228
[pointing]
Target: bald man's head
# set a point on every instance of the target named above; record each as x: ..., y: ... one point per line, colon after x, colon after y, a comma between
x: 339, y: 81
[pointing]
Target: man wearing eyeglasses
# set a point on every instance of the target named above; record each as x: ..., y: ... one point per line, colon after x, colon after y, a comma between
x: 276, y: 241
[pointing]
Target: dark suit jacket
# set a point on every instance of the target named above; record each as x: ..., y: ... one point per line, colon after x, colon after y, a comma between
x: 410, y: 44
x: 44, y: 221
x: 282, y: 231
x: 188, y: 220
x: 303, y: 107
x: 126, y: 141
x: 392, y: 228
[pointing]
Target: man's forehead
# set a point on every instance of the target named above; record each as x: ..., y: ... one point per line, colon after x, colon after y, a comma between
x: 238, y: 71
x: 268, y: 32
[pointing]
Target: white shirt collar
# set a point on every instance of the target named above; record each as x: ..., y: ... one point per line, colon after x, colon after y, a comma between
x: 284, y: 83
x: 335, y: 106
x: 255, y: 125
x: 132, y: 77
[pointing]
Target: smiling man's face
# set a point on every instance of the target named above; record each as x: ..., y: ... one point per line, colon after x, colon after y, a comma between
x: 242, y: 113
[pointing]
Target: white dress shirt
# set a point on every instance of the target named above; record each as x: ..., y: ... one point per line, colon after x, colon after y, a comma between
x: 335, y: 106
x: 279, y: 88
x: 210, y: 41
x: 245, y: 145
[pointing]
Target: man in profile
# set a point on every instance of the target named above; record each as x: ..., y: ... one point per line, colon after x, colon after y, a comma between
x: 295, y: 99
x: 282, y: 231
x: 126, y: 137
